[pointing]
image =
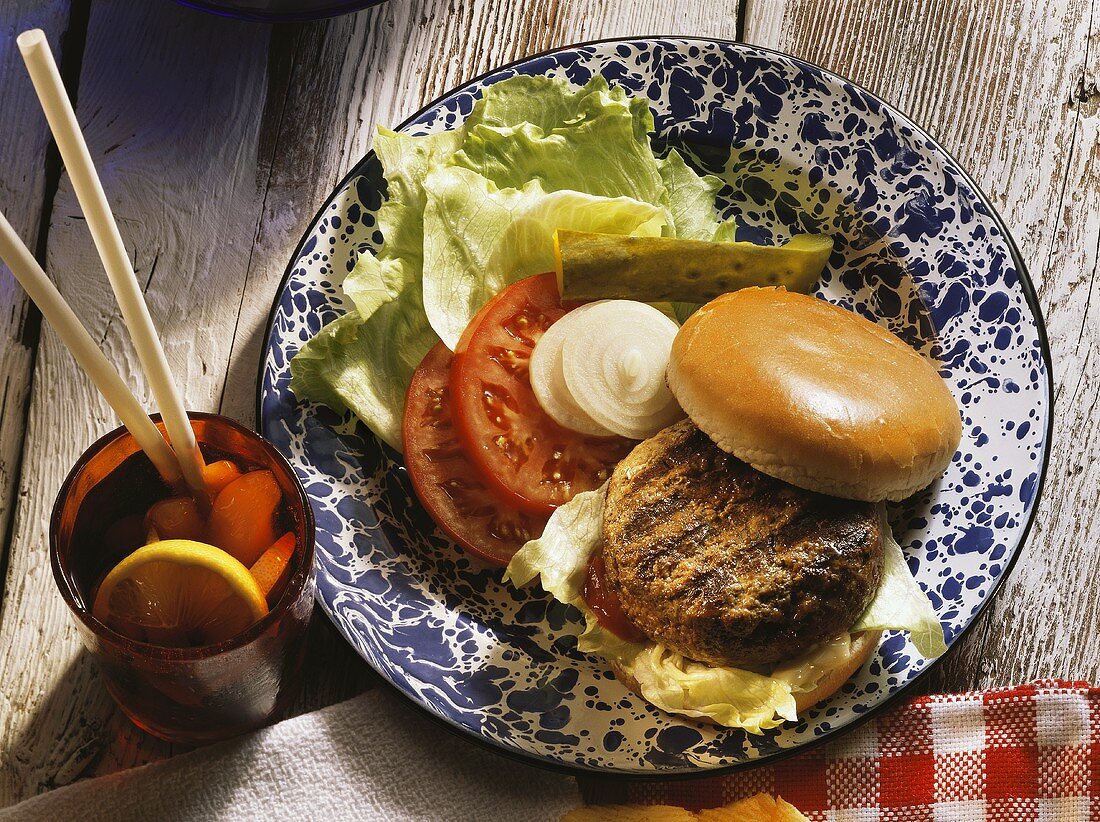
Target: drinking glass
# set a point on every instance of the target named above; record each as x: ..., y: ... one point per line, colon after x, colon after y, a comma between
x: 190, y: 695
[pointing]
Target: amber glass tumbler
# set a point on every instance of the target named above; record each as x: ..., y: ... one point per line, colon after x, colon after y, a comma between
x: 191, y: 695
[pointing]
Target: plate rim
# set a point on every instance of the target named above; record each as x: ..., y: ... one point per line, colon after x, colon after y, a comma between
x: 1030, y: 297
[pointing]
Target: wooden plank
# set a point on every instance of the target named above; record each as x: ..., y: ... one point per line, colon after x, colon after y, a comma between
x: 215, y: 152
x: 1009, y: 88
x: 28, y: 178
x: 172, y: 119
x: 24, y: 183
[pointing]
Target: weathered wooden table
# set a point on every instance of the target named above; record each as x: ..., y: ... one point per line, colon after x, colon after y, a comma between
x: 217, y: 140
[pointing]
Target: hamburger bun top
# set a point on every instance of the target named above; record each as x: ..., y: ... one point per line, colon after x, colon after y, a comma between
x: 814, y: 395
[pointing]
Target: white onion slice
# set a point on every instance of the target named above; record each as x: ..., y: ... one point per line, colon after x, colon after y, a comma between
x: 614, y: 360
x: 548, y: 379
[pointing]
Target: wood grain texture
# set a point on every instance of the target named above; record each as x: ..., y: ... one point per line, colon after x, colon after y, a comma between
x: 24, y: 191
x: 217, y: 141
x: 24, y: 137
x: 171, y: 103
x: 1009, y: 88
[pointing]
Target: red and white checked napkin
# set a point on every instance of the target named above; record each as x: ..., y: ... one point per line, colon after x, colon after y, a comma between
x: 1024, y: 754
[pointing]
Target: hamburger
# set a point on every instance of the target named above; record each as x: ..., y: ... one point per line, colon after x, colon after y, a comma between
x: 815, y: 395
x: 734, y: 566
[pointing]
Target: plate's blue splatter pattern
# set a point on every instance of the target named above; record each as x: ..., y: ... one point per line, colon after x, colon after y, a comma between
x: 916, y: 250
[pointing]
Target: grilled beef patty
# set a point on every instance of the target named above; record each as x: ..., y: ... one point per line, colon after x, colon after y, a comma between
x: 729, y: 566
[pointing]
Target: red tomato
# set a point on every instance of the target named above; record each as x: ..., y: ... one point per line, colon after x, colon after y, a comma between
x: 605, y: 603
x: 448, y: 485
x: 526, y: 456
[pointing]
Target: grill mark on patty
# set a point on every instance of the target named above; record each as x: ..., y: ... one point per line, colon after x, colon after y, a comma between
x: 730, y: 566
x: 673, y: 478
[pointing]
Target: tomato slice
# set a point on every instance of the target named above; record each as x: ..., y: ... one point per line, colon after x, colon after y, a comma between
x: 526, y: 456
x: 605, y: 604
x: 449, y: 486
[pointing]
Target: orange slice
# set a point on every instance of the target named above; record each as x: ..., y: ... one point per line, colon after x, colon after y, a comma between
x: 242, y: 519
x: 219, y: 474
x: 179, y: 593
x: 272, y: 567
x: 176, y: 518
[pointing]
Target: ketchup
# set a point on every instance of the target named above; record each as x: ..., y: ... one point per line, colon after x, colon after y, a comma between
x: 605, y: 604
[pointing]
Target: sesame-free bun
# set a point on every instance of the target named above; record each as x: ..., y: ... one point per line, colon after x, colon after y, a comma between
x: 859, y: 651
x: 814, y: 395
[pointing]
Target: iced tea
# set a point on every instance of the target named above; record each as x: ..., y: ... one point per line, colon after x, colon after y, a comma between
x: 189, y: 679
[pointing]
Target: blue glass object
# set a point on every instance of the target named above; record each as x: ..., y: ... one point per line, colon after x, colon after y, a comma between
x: 280, y: 10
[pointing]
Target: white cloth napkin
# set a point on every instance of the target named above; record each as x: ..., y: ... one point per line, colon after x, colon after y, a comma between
x: 370, y: 758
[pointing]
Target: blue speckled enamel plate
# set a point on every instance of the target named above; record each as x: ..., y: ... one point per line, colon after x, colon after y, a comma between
x: 918, y: 249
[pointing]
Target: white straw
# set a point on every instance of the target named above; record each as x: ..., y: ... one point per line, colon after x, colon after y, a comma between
x: 101, y: 222
x: 76, y: 338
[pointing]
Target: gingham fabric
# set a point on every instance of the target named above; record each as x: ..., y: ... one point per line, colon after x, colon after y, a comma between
x: 1024, y: 754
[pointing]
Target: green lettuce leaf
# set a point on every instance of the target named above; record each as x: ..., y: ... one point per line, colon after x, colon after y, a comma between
x: 733, y: 697
x: 479, y: 238
x: 560, y: 556
x: 730, y: 696
x: 364, y: 361
x: 328, y: 369
x: 482, y: 202
x: 727, y: 232
x: 399, y: 263
x: 597, y: 149
x: 690, y: 199
x: 366, y: 366
x: 548, y: 102
x: 900, y: 604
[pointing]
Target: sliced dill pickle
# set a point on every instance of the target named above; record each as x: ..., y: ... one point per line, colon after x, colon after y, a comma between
x: 663, y: 269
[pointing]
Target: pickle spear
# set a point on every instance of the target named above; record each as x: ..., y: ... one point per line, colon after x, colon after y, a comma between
x: 664, y: 269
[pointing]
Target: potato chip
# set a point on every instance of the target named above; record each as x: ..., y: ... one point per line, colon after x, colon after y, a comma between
x: 786, y: 812
x: 759, y: 808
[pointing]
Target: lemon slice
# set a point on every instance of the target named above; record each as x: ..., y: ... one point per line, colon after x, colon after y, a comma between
x: 179, y: 593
